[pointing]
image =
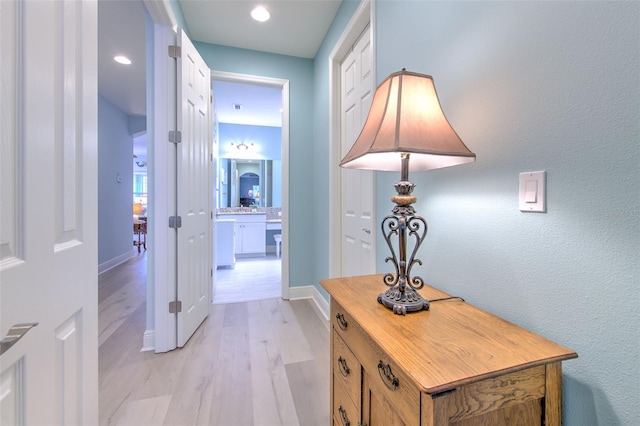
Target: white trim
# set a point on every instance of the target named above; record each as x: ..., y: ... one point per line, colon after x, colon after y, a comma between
x: 116, y: 261
x: 161, y: 12
x: 361, y: 18
x: 148, y: 341
x: 161, y: 268
x: 284, y: 84
x: 321, y: 304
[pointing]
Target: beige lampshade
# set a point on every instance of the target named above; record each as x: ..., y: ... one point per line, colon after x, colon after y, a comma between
x: 137, y: 208
x: 406, y: 117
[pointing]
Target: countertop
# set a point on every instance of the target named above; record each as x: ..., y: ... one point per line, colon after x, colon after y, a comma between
x: 239, y: 212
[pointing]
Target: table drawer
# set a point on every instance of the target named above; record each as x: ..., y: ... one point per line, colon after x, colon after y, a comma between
x: 388, y: 381
x: 346, y: 369
x: 345, y: 412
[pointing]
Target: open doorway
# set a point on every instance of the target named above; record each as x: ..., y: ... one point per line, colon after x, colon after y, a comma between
x: 251, y: 191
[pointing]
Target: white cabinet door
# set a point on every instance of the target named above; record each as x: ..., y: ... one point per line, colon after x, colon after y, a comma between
x: 254, y: 238
x: 250, y: 238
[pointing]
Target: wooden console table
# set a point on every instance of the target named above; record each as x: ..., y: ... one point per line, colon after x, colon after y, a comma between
x: 454, y: 364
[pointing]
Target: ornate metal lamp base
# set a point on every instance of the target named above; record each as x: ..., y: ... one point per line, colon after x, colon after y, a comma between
x: 401, y: 301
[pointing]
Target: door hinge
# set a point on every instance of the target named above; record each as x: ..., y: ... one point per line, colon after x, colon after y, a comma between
x: 175, y: 52
x: 175, y: 222
x: 175, y: 136
x: 175, y: 307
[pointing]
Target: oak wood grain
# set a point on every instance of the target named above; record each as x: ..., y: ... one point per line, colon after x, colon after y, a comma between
x: 497, y: 393
x: 553, y: 400
x: 452, y: 344
x: 452, y: 365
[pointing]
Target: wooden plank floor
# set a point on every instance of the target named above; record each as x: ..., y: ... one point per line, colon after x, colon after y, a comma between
x: 262, y: 362
x: 254, y: 278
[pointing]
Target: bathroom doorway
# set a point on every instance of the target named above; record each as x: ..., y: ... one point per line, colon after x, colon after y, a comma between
x: 252, y: 126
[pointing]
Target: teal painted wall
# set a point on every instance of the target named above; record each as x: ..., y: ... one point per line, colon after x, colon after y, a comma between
x: 115, y: 211
x: 532, y: 86
x: 529, y: 86
x: 177, y: 11
x: 299, y: 72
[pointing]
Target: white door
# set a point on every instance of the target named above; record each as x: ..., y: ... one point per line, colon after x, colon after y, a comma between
x: 48, y: 212
x: 358, y: 195
x: 194, y: 184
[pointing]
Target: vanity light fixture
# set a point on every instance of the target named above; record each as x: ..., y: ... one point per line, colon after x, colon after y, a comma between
x: 405, y: 122
x: 122, y: 60
x: 260, y: 14
x: 242, y: 146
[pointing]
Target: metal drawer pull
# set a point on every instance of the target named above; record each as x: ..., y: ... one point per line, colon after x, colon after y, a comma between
x: 15, y: 333
x: 341, y: 321
x: 343, y: 366
x: 387, y: 376
x: 343, y: 414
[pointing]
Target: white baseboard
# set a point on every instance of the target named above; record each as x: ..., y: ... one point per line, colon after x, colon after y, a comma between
x: 311, y: 292
x: 148, y: 341
x: 112, y: 263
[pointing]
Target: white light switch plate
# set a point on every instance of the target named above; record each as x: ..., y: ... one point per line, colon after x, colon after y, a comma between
x: 533, y: 192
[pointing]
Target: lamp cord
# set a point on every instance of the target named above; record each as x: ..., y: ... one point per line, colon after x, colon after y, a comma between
x: 447, y: 298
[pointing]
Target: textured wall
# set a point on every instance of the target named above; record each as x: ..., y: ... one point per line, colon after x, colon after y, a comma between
x: 532, y: 86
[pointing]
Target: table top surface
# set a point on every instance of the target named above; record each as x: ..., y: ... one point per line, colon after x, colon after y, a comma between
x: 451, y: 344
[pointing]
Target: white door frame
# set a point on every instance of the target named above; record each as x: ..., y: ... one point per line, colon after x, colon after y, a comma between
x: 284, y: 85
x: 160, y: 334
x: 363, y: 16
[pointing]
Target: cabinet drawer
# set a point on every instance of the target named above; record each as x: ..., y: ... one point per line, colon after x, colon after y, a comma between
x: 346, y: 369
x: 345, y: 412
x: 388, y: 381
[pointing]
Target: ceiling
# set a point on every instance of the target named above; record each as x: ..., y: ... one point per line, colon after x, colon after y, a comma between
x: 296, y: 28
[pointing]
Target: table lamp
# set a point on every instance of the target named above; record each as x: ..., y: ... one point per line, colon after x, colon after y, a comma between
x: 405, y: 130
x: 137, y: 210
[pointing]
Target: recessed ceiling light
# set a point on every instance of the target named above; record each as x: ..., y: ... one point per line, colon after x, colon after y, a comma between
x: 122, y: 60
x: 260, y: 14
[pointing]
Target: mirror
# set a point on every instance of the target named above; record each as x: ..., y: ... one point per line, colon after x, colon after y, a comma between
x: 247, y: 183
x: 249, y: 145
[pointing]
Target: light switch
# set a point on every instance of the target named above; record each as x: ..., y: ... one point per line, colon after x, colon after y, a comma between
x: 533, y: 191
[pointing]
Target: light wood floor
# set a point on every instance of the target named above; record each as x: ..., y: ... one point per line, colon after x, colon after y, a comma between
x: 250, y: 363
x: 254, y: 278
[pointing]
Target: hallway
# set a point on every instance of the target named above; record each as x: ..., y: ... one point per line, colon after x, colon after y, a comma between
x: 250, y: 363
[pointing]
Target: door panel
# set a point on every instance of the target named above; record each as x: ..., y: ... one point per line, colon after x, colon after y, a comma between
x: 48, y: 222
x: 358, y: 196
x: 194, y: 180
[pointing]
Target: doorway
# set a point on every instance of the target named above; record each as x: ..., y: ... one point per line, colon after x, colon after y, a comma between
x: 252, y: 139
